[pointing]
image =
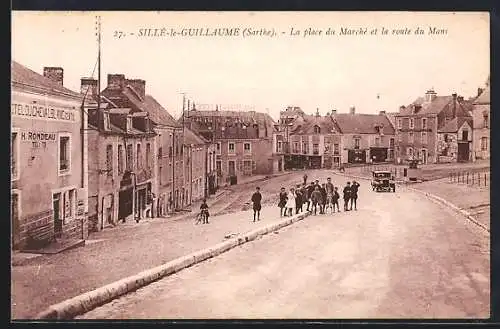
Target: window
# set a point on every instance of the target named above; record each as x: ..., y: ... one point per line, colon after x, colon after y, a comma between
x: 484, y: 143
x: 247, y: 166
x: 139, y: 157
x: 64, y: 154
x: 315, y: 148
x: 109, y: 160
x: 230, y: 147
x: 446, y: 137
x: 304, y: 147
x: 130, y: 158
x: 279, y: 147
x: 148, y: 155
x: 391, y: 143
x: 170, y: 151
x: 327, y: 148
x: 409, y: 151
x: 120, y: 159
x: 400, y: 138
x: 247, y: 147
x: 160, y: 152
x: 412, y: 123
x: 377, y: 141
x: 14, y: 155
x: 465, y: 135
x: 129, y: 123
x: 424, y: 123
x: 356, y: 143
x: 107, y: 125
x: 219, y: 147
x: 410, y: 137
x: 424, y: 137
x: 218, y: 166
x: 400, y: 123
x: 336, y: 149
x: 485, y: 120
x: 317, y: 129
x: 397, y: 149
x: 160, y: 174
x: 295, y: 147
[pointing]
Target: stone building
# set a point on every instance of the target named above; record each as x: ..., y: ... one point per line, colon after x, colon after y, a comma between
x: 48, y: 156
x: 418, y: 126
x: 451, y: 136
x: 243, y: 141
x: 481, y: 124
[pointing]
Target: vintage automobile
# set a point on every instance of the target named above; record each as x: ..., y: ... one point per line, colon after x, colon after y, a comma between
x: 383, y: 181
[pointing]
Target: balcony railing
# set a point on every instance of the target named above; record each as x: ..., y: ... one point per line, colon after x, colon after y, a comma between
x: 315, y: 152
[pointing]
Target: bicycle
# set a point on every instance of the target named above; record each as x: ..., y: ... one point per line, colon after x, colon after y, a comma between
x: 201, y: 218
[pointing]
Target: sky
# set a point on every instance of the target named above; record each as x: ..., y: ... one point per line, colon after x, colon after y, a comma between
x: 370, y: 72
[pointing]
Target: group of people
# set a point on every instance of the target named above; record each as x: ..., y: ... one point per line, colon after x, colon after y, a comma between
x: 317, y: 197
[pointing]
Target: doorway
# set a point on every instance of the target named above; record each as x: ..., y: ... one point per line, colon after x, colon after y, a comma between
x: 232, y: 168
x: 56, y: 206
x: 463, y: 152
x: 424, y: 156
x: 14, y: 210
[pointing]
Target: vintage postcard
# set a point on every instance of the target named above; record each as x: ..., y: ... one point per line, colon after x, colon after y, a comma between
x: 250, y: 165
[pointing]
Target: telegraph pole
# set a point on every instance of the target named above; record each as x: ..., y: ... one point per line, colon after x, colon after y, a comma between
x: 98, y: 64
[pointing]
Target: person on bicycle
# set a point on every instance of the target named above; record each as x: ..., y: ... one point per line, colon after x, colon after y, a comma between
x: 204, y: 211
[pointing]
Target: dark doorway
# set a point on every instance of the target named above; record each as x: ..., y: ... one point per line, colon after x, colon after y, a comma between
x: 356, y: 156
x: 14, y: 210
x: 378, y: 154
x: 125, y: 202
x: 463, y: 152
x: 232, y: 169
x: 58, y: 223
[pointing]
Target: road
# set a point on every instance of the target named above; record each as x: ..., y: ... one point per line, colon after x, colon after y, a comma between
x: 398, y: 256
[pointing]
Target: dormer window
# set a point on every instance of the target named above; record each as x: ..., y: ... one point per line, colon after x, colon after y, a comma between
x: 412, y: 123
x: 107, y: 125
x: 129, y: 123
x: 317, y: 129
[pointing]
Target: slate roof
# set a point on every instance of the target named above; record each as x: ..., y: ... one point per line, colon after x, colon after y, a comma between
x: 190, y: 137
x: 453, y: 125
x: 484, y: 97
x: 24, y: 77
x: 362, y: 123
x: 128, y: 98
x: 433, y: 107
x: 250, y: 116
x: 326, y: 125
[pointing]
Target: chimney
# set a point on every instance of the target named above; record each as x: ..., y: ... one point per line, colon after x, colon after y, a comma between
x: 381, y: 113
x: 454, y: 95
x: 402, y: 108
x: 317, y: 112
x: 334, y: 112
x: 352, y: 110
x: 55, y: 74
x: 89, y: 87
x: 430, y: 95
x: 116, y: 81
x: 139, y: 87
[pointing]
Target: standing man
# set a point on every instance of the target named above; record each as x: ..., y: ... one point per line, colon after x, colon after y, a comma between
x: 298, y: 199
x: 329, y: 186
x: 310, y: 190
x: 316, y: 198
x: 354, y: 194
x: 305, y: 178
x: 322, y: 189
x: 256, y: 199
x: 347, y: 195
x: 335, y: 199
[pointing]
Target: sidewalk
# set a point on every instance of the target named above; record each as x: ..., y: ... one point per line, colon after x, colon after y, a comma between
x: 117, y: 253
x: 474, y: 199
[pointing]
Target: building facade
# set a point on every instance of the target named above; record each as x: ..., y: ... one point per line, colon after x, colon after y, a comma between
x: 454, y: 141
x: 243, y: 141
x: 481, y: 124
x: 418, y: 126
x: 48, y: 157
x: 330, y: 141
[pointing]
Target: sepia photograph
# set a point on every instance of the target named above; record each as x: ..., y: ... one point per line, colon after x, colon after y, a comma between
x: 250, y: 165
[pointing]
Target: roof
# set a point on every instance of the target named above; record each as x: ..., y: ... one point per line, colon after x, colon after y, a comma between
x: 454, y: 125
x: 243, y: 115
x: 433, y: 107
x: 363, y: 123
x: 24, y: 77
x: 190, y: 137
x: 326, y: 125
x: 484, y: 97
x: 127, y: 97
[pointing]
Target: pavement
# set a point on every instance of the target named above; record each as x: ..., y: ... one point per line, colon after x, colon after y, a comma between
x: 127, y: 249
x: 399, y: 256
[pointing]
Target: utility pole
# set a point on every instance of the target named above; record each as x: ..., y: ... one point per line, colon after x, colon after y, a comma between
x: 98, y: 64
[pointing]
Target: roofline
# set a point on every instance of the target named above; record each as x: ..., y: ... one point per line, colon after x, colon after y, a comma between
x: 50, y: 91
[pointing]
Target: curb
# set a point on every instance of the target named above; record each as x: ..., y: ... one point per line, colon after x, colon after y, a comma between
x: 452, y: 206
x: 438, y: 199
x: 81, y: 304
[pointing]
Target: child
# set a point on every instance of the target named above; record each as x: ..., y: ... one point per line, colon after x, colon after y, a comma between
x: 256, y: 199
x: 316, y: 199
x: 290, y: 203
x: 335, y: 199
